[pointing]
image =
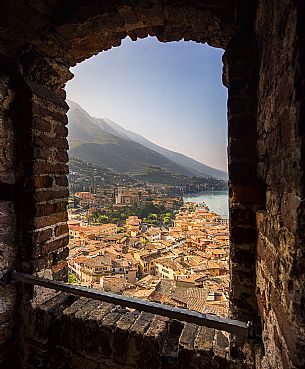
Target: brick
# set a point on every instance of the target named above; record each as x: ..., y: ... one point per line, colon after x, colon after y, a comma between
x: 72, y: 309
x: 44, y: 221
x: 203, y: 342
x: 44, y: 154
x: 106, y: 331
x: 60, y: 255
x: 221, y: 350
x: 47, y: 195
x: 238, y: 104
x: 47, y: 247
x: 186, y: 345
x: 29, y: 265
x: 141, y: 324
x: 61, y: 156
x: 60, y: 271
x: 43, y: 167
x: 120, y: 336
x: 47, y: 141
x: 39, y: 236
x: 6, y: 220
x: 61, y: 130
x: 41, y: 124
x: 98, y: 314
x: 31, y: 197
x: 40, y: 111
x: 48, y: 209
x: 288, y: 330
x: 136, y: 336
x: 45, y: 209
x: 264, y: 71
x: 153, y: 343
x: 41, y: 181
x: 6, y: 331
x: 61, y: 181
x: 61, y: 229
x: 187, y: 336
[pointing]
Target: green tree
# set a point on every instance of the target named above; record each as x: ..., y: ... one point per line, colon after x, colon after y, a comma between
x: 103, y: 219
x: 72, y: 278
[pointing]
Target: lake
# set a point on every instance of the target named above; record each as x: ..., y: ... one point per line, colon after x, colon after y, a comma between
x: 217, y: 201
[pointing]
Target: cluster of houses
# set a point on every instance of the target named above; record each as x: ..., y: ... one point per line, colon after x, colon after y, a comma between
x: 125, y: 196
x: 185, y: 265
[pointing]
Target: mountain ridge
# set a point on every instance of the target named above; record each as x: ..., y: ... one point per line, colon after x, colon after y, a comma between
x: 179, y: 158
x: 105, y: 142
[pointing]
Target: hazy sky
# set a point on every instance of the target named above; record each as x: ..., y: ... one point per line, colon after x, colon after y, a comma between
x: 171, y: 93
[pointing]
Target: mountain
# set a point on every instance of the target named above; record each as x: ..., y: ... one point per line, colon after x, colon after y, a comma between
x: 84, y: 176
x: 197, y: 168
x: 106, y: 143
x: 184, y: 184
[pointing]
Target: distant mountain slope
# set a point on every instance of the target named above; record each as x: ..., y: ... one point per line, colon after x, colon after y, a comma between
x: 92, y: 140
x: 195, y: 166
x: 84, y: 176
x: 185, y: 183
x: 106, y: 143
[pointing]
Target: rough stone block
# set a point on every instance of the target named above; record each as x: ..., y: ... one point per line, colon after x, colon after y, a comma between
x: 186, y: 345
x: 120, y: 336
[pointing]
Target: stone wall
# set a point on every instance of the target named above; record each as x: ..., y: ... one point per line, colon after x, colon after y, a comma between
x: 43, y: 163
x: 245, y: 189
x: 280, y: 124
x: 42, y: 191
x: 70, y: 32
x: 8, y: 249
x: 33, y: 194
x: 65, y: 333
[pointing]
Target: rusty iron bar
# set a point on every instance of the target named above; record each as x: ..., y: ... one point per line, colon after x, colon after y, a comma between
x: 208, y: 320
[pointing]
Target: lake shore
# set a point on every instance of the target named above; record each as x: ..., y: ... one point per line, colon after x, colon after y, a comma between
x: 217, y: 201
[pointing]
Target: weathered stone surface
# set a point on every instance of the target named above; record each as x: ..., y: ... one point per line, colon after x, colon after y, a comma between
x: 264, y: 70
x: 8, y: 237
x: 73, y: 334
x: 121, y: 336
x: 186, y: 345
x: 280, y: 290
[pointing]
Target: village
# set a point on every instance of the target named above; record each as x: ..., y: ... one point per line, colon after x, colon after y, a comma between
x: 181, y: 260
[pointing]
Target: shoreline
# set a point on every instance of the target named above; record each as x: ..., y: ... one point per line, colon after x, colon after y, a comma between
x: 217, y: 201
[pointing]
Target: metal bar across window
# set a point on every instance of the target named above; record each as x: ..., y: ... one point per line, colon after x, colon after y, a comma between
x: 208, y: 320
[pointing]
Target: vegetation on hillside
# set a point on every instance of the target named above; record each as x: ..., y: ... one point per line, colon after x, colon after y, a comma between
x: 148, y: 212
x: 84, y: 176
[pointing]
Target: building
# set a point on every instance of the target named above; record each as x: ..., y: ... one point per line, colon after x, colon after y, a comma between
x: 168, y: 268
x: 127, y: 197
x: 85, y: 198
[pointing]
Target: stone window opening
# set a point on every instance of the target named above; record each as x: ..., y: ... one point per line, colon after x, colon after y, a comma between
x: 168, y: 274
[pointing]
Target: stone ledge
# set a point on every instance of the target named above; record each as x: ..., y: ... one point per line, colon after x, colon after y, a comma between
x: 68, y: 333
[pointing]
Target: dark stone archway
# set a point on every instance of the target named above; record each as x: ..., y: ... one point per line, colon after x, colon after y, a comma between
x: 41, y: 40
x: 87, y: 29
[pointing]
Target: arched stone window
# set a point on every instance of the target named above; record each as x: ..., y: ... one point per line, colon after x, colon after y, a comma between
x: 264, y: 73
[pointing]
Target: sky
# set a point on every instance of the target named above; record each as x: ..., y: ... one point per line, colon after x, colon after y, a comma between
x: 171, y: 93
